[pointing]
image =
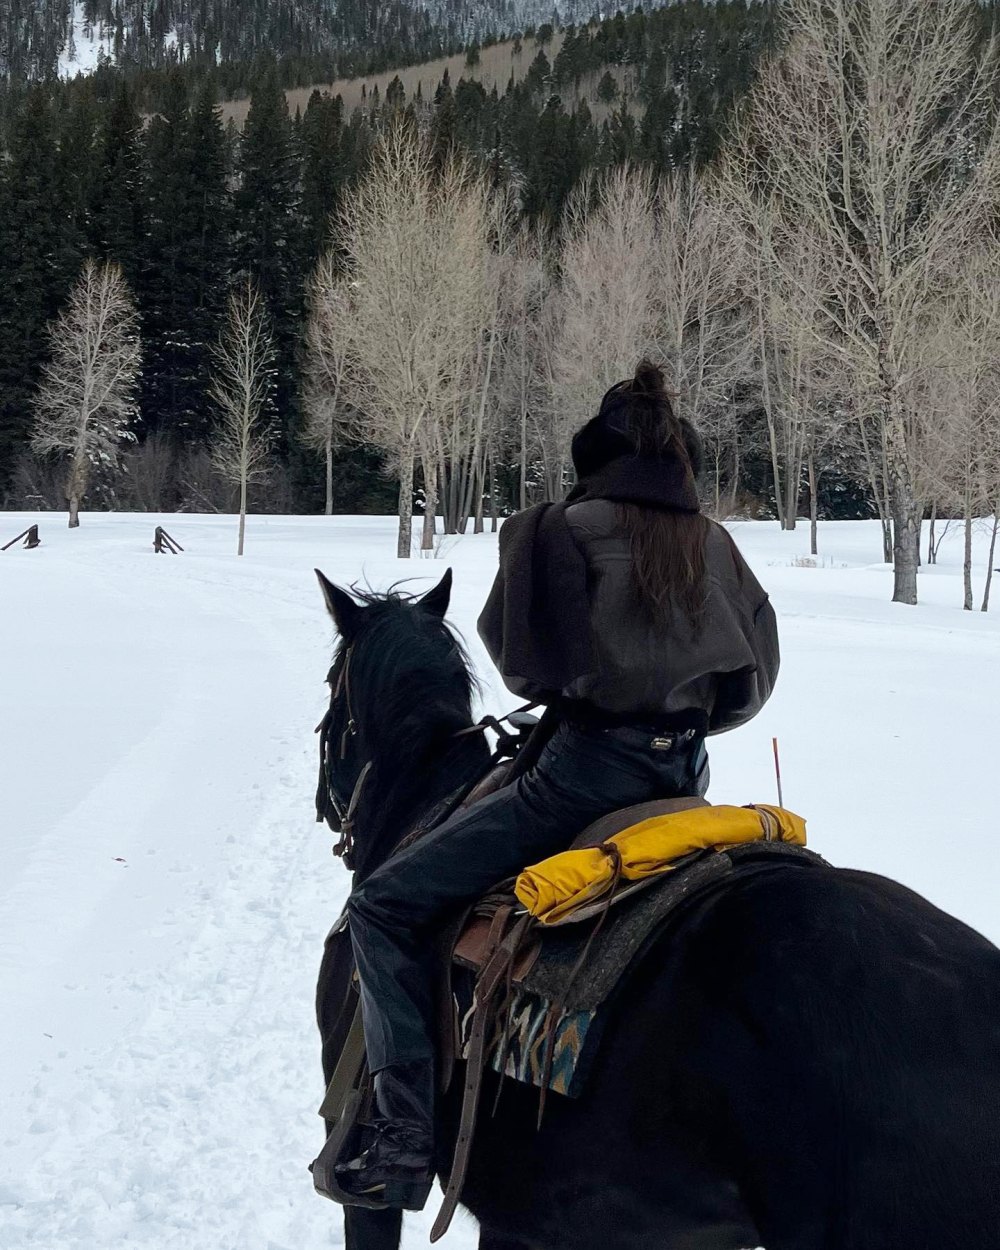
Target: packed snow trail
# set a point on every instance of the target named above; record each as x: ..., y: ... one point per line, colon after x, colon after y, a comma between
x: 164, y: 890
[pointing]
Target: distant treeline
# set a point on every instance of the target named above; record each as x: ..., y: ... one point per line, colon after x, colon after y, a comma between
x: 316, y: 40
x: 188, y: 206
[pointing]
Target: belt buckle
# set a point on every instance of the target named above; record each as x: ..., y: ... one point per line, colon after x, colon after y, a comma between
x: 664, y: 743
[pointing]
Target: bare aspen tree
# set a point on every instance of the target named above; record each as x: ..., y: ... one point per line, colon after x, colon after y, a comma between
x: 551, y: 429
x: 874, y: 128
x: 327, y: 360
x: 991, y: 490
x: 527, y: 284
x: 962, y: 390
x: 648, y: 269
x: 86, y: 400
x: 954, y: 467
x: 413, y: 239
x: 496, y: 296
x: 241, y: 389
x: 789, y: 354
x: 701, y: 331
x: 464, y: 436
x: 982, y: 276
x: 608, y: 294
x: 457, y: 436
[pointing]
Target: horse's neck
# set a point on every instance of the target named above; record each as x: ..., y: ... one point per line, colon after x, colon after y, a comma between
x: 401, y: 798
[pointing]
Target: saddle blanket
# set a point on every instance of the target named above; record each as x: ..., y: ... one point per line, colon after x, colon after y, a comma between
x: 524, y: 1032
x: 562, y: 1005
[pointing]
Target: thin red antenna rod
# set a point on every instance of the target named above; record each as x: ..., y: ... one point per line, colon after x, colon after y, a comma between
x: 777, y: 770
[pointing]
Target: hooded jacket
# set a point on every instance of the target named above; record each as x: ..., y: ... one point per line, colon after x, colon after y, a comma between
x: 716, y: 678
x: 564, y: 622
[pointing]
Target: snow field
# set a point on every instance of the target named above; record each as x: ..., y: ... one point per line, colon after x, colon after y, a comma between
x: 164, y: 890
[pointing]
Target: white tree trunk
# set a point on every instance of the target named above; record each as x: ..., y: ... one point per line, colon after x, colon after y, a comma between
x: 989, y: 564
x: 76, y: 488
x: 523, y: 500
x: 404, y: 541
x: 430, y: 507
x: 931, y: 551
x: 480, y: 489
x: 772, y: 435
x: 905, y: 520
x: 967, y: 562
x: 243, y: 515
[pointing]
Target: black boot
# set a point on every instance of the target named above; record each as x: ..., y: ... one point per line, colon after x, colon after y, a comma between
x: 396, y: 1162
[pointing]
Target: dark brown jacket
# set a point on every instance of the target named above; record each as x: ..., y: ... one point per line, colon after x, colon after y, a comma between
x: 727, y: 670
x: 630, y: 667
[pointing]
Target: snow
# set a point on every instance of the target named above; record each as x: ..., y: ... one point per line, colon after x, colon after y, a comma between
x: 82, y: 51
x: 164, y: 891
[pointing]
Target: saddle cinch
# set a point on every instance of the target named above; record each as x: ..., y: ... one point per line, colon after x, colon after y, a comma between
x: 529, y: 991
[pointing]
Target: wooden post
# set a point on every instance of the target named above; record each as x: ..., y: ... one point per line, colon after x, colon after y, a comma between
x: 30, y: 536
x: 163, y: 542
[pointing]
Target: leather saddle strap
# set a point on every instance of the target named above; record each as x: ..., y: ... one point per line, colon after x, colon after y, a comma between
x: 348, y: 1070
x: 494, y: 975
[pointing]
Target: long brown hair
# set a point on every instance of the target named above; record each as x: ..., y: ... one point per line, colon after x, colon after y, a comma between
x: 667, y: 546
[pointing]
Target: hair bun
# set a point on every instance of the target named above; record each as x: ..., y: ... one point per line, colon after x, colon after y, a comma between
x: 649, y: 379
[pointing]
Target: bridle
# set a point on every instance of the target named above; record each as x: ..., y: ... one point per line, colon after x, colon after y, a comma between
x: 331, y: 806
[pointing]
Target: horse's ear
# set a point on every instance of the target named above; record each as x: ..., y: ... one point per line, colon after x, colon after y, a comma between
x: 437, y: 599
x: 340, y: 605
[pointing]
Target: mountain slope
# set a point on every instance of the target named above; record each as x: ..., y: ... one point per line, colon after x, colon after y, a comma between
x: 39, y: 38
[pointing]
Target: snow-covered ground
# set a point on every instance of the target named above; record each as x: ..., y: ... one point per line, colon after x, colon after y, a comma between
x: 164, y: 892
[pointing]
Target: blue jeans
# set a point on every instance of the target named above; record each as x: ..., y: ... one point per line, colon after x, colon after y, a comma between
x: 583, y: 773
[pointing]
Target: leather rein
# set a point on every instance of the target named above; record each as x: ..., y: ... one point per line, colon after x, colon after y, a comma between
x: 330, y: 806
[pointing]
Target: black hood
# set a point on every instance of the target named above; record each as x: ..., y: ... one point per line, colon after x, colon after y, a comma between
x: 604, y: 438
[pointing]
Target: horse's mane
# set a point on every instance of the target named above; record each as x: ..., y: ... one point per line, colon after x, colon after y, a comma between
x: 411, y: 686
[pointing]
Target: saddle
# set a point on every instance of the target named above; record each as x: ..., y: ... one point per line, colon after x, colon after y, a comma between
x: 477, y: 940
x: 529, y: 999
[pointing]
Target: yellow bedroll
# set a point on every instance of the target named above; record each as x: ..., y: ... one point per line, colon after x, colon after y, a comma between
x: 558, y: 885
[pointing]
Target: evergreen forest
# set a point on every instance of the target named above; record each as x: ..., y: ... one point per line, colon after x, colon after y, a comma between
x: 140, y: 169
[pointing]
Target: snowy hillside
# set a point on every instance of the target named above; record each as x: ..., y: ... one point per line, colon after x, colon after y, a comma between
x: 164, y: 892
x: 72, y: 36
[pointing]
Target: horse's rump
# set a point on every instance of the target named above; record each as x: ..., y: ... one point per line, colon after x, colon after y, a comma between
x: 820, y: 1050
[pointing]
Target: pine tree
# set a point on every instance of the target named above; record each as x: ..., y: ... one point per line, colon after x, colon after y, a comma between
x: 539, y: 73
x: 117, y: 217
x: 553, y: 164
x: 607, y: 88
x: 444, y: 126
x: 187, y: 264
x: 38, y: 257
x: 659, y: 142
x: 268, y: 232
x: 322, y: 175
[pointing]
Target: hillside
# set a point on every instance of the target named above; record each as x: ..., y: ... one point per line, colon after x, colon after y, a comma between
x: 43, y: 38
x: 497, y: 65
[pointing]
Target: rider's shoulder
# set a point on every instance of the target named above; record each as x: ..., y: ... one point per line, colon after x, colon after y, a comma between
x: 593, y: 518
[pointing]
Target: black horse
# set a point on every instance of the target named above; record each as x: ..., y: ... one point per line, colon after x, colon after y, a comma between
x: 809, y: 1061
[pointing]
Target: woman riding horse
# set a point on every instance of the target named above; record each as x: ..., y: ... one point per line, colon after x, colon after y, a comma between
x: 635, y: 617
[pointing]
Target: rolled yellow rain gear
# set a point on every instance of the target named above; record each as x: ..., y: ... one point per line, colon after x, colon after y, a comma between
x: 554, y: 888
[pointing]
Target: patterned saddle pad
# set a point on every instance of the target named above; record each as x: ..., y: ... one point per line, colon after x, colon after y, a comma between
x: 555, y: 1002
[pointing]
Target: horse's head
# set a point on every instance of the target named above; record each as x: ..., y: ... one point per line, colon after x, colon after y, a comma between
x: 401, y: 688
